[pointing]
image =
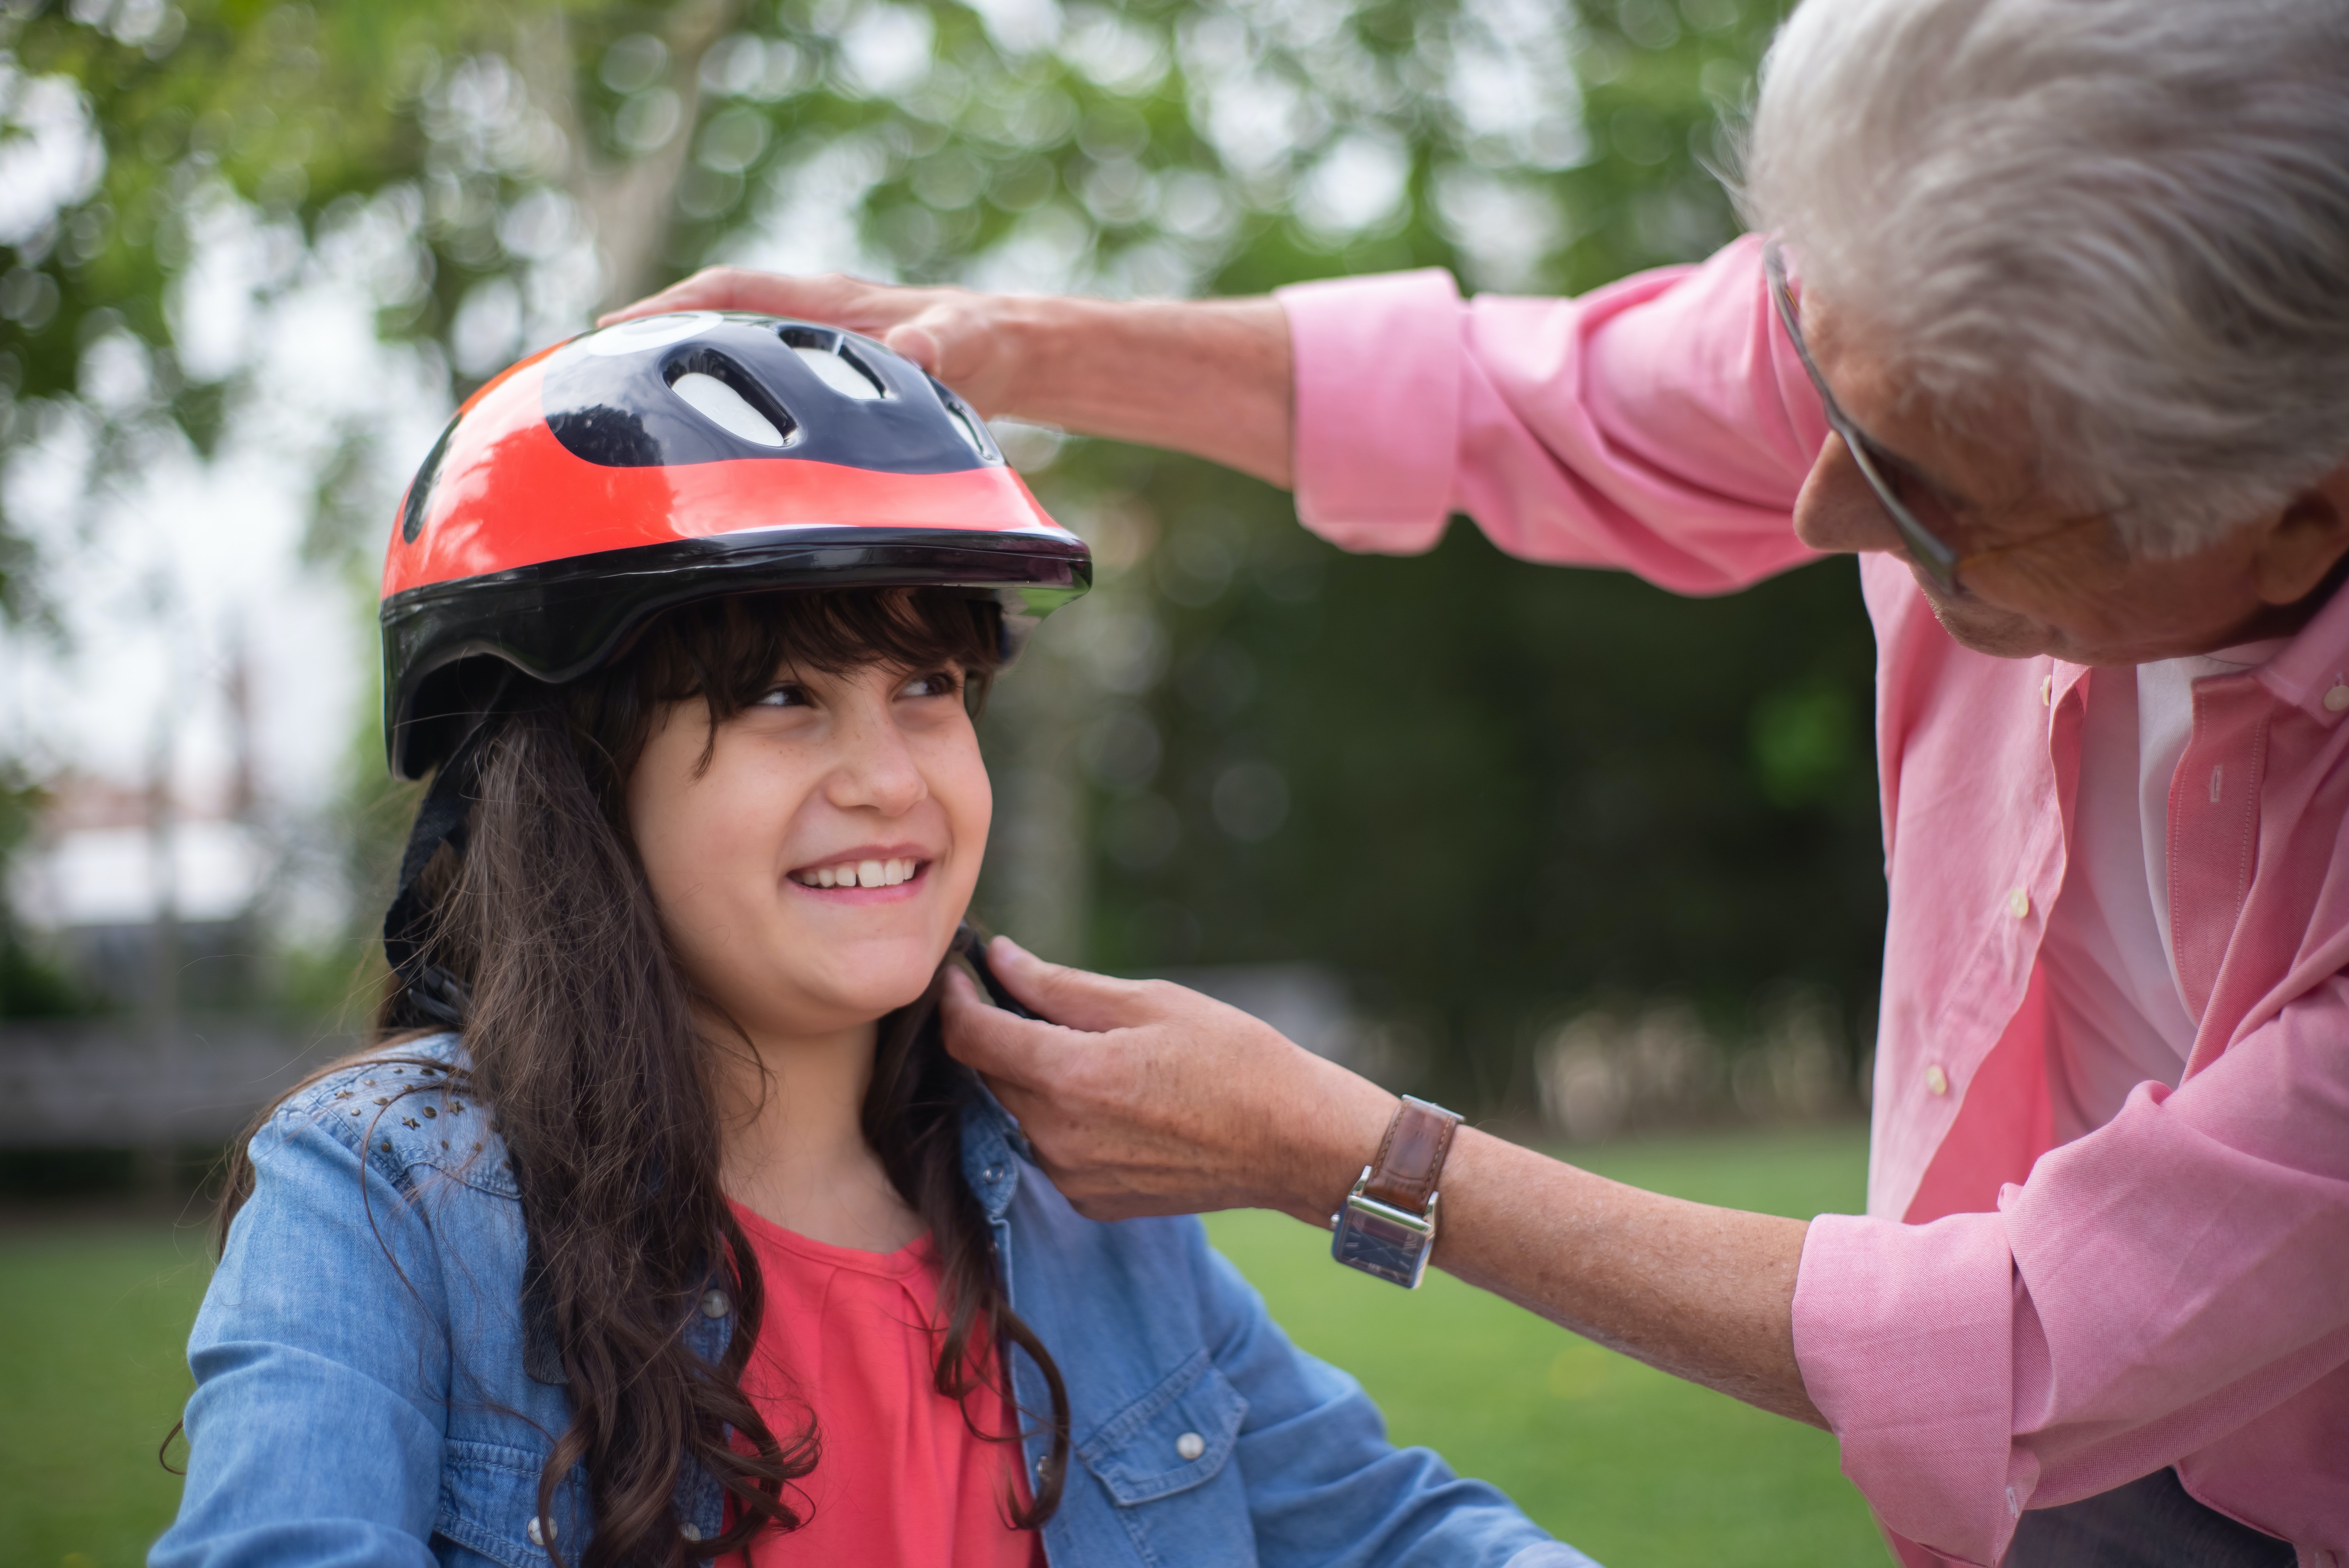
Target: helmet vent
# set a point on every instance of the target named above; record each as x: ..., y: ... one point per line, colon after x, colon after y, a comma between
x: 841, y: 374
x: 968, y: 429
x: 834, y: 365
x: 717, y: 399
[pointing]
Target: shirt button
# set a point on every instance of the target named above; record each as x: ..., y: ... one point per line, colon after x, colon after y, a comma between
x: 538, y: 1536
x: 1936, y: 1079
x: 2018, y: 902
x: 714, y: 1303
x: 689, y: 1530
x: 2048, y: 692
x: 1190, y: 1445
x: 2336, y: 699
x: 995, y: 1172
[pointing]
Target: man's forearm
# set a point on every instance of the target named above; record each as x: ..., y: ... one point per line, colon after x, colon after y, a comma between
x: 1702, y: 1292
x: 1211, y: 377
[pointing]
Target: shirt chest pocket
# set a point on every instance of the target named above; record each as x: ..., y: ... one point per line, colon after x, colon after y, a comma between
x: 489, y: 1509
x: 1173, y: 1439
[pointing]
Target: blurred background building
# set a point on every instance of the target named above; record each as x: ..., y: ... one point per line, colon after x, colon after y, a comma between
x: 1547, y: 845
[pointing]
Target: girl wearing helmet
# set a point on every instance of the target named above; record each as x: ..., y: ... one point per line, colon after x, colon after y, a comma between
x: 658, y: 1227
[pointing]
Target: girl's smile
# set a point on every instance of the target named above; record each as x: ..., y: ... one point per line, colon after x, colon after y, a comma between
x: 870, y: 873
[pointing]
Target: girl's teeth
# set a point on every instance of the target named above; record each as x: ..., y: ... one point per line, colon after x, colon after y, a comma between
x: 864, y: 874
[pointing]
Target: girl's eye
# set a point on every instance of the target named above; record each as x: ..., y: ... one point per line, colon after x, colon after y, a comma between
x: 937, y: 683
x: 784, y: 695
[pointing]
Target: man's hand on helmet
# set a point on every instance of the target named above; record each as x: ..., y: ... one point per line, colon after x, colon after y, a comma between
x: 956, y: 336
x: 1206, y: 376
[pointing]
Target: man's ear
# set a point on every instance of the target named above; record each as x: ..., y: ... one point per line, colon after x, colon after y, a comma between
x: 2306, y: 540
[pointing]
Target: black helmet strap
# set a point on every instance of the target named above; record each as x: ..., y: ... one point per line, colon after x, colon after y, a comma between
x: 430, y: 989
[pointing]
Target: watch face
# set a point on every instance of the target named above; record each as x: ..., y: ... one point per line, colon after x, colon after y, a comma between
x: 1376, y: 1247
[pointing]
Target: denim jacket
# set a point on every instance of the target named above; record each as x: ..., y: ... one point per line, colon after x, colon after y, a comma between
x: 368, y: 1396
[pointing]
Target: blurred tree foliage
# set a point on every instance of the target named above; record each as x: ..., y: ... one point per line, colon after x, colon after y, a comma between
x: 31, y: 985
x: 1487, y: 791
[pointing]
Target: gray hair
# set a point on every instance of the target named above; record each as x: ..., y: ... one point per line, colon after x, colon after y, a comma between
x: 2126, y: 220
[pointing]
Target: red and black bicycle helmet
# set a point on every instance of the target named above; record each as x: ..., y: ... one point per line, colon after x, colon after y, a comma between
x: 682, y: 456
x: 662, y: 461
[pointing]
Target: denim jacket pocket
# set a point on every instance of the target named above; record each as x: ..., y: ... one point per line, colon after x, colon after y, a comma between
x: 489, y: 1503
x: 1176, y: 1437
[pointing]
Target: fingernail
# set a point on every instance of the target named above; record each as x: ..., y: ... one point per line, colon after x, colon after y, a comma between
x: 1006, y: 942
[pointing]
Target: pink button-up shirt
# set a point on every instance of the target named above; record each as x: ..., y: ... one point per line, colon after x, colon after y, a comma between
x: 2011, y: 1325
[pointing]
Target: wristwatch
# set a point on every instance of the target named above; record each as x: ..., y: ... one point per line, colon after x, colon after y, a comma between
x: 1388, y: 1225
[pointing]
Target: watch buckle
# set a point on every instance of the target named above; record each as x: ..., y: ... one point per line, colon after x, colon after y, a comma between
x: 1418, y: 1225
x: 1378, y: 1239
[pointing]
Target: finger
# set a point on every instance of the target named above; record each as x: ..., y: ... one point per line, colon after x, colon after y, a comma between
x: 1074, y: 998
x: 709, y: 289
x: 916, y: 342
x: 740, y: 288
x: 984, y: 1037
x: 952, y: 340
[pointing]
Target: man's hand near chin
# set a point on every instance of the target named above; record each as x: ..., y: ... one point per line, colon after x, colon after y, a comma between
x: 1145, y: 1098
x: 1141, y: 1098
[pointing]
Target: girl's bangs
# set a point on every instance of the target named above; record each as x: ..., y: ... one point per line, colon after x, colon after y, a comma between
x: 729, y: 651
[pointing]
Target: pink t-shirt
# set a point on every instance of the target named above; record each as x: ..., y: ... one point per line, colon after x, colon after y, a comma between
x: 904, y: 1480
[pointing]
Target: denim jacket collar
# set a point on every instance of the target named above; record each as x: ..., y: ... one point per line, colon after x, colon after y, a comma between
x: 992, y: 1151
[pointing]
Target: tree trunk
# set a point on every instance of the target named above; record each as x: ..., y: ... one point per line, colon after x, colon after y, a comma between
x: 627, y: 205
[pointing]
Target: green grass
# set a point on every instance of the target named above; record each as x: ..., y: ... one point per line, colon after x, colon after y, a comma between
x: 93, y: 1370
x: 1626, y: 1463
x: 1634, y: 1467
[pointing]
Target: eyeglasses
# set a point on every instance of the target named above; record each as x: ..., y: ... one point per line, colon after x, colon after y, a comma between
x: 1938, y: 561
x: 1933, y: 555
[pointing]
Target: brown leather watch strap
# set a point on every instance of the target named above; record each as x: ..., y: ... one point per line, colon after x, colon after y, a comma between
x: 1411, y: 1156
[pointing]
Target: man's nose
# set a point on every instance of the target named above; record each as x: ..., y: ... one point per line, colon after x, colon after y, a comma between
x: 1838, y: 513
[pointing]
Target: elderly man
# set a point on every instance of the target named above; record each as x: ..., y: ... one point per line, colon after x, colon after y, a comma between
x: 2053, y: 333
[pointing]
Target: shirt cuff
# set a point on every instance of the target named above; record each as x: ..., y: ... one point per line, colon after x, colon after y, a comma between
x: 1377, y: 364
x: 1905, y: 1337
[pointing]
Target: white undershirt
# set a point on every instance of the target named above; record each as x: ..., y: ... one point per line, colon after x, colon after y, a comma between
x: 2120, y: 1018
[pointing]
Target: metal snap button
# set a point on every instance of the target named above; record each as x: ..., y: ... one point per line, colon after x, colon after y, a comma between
x: 714, y: 1303
x: 995, y: 1172
x: 1190, y: 1445
x: 689, y: 1530
x: 537, y: 1536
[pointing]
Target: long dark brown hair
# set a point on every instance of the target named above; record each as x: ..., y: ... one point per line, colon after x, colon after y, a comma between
x: 580, y: 1034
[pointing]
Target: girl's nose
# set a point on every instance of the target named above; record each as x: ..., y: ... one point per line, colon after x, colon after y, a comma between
x: 876, y: 771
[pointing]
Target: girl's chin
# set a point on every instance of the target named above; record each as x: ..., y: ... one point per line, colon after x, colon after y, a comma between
x: 818, y: 998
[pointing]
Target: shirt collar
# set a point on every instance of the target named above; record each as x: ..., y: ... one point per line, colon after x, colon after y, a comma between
x: 2314, y: 663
